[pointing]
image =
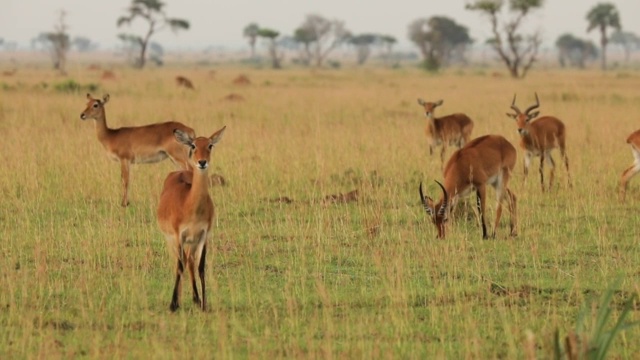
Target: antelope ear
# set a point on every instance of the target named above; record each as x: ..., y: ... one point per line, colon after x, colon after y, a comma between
x: 420, y: 101
x: 89, y: 96
x: 182, y: 137
x: 534, y: 114
x: 439, y: 102
x: 213, y: 139
x: 513, y: 116
x: 105, y: 99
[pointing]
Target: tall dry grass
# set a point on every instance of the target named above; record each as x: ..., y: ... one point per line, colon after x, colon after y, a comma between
x: 81, y: 276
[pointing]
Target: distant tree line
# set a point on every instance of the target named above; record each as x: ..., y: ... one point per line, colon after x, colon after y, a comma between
x: 314, y: 40
x: 440, y: 41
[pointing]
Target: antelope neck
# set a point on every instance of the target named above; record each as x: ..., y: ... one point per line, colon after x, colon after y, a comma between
x: 101, y: 126
x: 199, y: 183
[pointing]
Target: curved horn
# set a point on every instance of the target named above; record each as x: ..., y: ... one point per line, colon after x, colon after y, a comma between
x: 424, y: 202
x: 534, y: 106
x: 513, y: 105
x: 445, y: 203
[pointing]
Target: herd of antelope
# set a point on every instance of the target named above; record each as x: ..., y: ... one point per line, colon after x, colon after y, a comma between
x: 490, y: 159
x: 186, y: 211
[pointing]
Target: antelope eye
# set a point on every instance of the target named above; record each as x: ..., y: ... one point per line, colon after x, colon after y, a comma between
x: 192, y: 146
x: 95, y: 105
x: 210, y: 147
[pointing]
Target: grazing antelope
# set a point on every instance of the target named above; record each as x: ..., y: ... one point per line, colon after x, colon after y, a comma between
x: 631, y: 171
x: 487, y: 160
x: 539, y: 138
x: 185, y: 212
x: 184, y: 82
x: 9, y: 72
x: 135, y: 145
x: 454, y: 129
x: 108, y: 75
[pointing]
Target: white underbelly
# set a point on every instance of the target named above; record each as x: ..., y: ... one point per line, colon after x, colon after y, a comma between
x: 148, y: 159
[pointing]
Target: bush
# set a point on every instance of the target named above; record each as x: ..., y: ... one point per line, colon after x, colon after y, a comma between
x: 74, y: 87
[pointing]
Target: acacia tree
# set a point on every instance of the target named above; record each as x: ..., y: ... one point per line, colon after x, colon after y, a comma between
x: 251, y: 32
x: 271, y: 36
x: 84, y: 44
x: 438, y: 38
x: 305, y: 38
x: 151, y: 11
x: 603, y: 16
x: 326, y: 36
x: 58, y: 42
x: 628, y: 40
x: 574, y: 51
x: 387, y: 43
x: 516, y: 50
x: 363, y: 44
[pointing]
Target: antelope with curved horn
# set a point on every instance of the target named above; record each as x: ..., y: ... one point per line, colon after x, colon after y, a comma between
x: 631, y: 171
x: 539, y: 137
x: 454, y: 129
x: 135, y: 145
x: 185, y: 212
x: 487, y: 160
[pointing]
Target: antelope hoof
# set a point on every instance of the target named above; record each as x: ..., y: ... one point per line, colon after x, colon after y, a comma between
x: 173, y: 307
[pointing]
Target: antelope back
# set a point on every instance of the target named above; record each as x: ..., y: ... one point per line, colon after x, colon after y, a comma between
x: 634, y: 139
x: 478, y: 161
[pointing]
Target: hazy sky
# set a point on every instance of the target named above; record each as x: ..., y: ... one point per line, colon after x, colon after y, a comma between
x: 220, y: 23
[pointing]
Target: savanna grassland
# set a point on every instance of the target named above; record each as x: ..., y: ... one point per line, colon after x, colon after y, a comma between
x: 81, y: 276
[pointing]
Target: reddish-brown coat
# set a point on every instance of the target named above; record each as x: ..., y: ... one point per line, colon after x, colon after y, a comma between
x: 539, y: 137
x: 631, y: 171
x: 487, y: 160
x: 185, y: 212
x: 184, y: 82
x: 454, y: 129
x: 135, y: 145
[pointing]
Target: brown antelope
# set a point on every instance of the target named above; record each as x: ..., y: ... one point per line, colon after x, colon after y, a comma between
x: 454, y: 129
x: 487, y: 160
x: 186, y: 211
x: 539, y: 138
x: 136, y: 145
x: 9, y: 72
x: 184, y: 82
x: 108, y: 75
x: 631, y: 171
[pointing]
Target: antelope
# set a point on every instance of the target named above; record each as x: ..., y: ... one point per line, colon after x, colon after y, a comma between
x: 183, y: 81
x: 539, y: 138
x: 454, y: 129
x: 186, y: 211
x: 10, y: 72
x: 108, y: 75
x: 134, y: 145
x: 487, y: 160
x: 631, y: 171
